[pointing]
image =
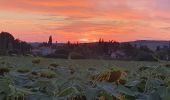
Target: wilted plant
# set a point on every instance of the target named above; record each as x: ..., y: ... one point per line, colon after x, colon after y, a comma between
x: 34, y: 73
x: 167, y: 65
x: 3, y: 62
x: 4, y: 70
x: 78, y: 97
x: 16, y: 94
x: 105, y: 96
x: 168, y: 82
x: 10, y: 92
x: 113, y: 84
x: 70, y: 91
x: 54, y: 65
x: 48, y: 74
x: 111, y: 76
x: 23, y: 70
x: 36, y: 61
x: 72, y: 71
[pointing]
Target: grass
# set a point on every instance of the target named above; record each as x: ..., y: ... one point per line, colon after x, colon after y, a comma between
x: 84, y: 64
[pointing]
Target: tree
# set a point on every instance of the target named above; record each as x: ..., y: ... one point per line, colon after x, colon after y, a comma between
x: 6, y: 40
x: 145, y: 49
x: 158, y: 48
x: 50, y: 41
x: 8, y: 44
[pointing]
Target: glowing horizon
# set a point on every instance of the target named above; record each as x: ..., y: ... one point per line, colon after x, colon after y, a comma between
x: 86, y: 20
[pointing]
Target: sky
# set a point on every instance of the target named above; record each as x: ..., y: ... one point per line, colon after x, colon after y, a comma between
x: 86, y: 20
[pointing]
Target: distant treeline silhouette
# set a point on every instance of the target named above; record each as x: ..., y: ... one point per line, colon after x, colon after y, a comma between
x: 9, y: 45
x: 97, y: 50
x: 107, y: 50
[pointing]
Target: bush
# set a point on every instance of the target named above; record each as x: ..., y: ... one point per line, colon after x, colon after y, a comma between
x: 62, y: 51
x: 144, y: 56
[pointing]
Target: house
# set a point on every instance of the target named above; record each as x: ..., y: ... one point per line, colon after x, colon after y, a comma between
x: 43, y: 51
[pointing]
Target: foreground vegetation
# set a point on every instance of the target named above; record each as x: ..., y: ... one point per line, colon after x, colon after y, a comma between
x: 29, y: 78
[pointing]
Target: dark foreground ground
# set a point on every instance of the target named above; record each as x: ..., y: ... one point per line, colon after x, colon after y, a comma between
x: 57, y: 79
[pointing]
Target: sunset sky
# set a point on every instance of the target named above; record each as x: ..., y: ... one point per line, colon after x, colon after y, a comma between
x: 86, y: 20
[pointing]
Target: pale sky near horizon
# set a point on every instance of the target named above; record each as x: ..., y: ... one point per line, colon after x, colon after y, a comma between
x: 86, y: 20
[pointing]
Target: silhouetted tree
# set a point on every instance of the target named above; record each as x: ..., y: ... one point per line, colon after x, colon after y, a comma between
x: 8, y: 44
x: 50, y: 41
x: 158, y: 48
x: 6, y: 41
x: 145, y: 49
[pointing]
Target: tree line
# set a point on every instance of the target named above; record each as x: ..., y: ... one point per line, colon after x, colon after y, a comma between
x: 97, y: 50
x: 102, y: 50
x: 9, y: 45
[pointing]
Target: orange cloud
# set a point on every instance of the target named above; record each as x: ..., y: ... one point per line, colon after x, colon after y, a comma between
x: 86, y: 20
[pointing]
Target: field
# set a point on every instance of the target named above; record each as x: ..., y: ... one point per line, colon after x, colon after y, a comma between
x: 30, y: 78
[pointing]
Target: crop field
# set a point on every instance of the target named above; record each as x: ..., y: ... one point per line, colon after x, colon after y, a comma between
x: 31, y: 78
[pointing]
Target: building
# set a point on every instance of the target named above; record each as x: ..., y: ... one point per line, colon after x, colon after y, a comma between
x: 43, y: 51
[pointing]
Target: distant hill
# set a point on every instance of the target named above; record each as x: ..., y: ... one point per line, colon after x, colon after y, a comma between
x: 152, y: 44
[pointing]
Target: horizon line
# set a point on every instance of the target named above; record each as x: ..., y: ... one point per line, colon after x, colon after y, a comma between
x: 109, y: 40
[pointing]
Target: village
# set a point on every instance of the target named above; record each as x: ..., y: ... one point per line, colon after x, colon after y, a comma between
x: 97, y: 50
